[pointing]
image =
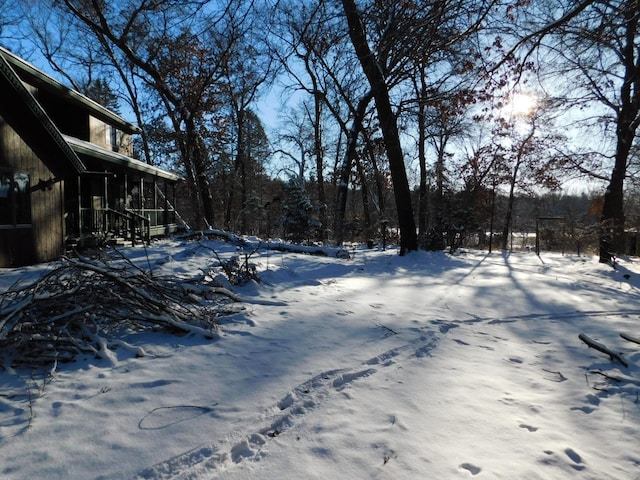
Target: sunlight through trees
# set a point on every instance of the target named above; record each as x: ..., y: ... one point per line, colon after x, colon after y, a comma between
x: 422, y: 120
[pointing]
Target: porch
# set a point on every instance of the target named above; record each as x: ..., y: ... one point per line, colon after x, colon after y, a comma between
x: 118, y: 199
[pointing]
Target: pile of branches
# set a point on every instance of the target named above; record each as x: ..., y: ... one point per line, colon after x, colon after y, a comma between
x: 80, y: 306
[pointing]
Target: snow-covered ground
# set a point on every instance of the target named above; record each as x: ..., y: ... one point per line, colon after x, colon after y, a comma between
x: 426, y: 366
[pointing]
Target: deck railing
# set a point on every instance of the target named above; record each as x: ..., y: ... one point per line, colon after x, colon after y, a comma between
x: 127, y: 224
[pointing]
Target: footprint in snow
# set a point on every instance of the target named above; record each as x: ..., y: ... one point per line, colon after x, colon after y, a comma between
x: 528, y: 427
x: 424, y: 351
x: 443, y: 326
x: 575, y: 458
x: 471, y: 468
x: 593, y: 402
x: 586, y: 410
x: 553, y: 459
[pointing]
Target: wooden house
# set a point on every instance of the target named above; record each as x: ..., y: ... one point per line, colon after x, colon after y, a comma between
x: 67, y: 175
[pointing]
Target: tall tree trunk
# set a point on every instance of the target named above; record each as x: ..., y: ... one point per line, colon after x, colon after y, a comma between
x: 520, y: 157
x: 364, y: 191
x: 378, y: 179
x: 612, y: 239
x: 198, y: 157
x: 237, y: 178
x: 185, y: 145
x: 242, y: 165
x: 319, y: 154
x: 492, y: 216
x: 506, y: 227
x: 345, y: 170
x: 388, y: 125
x: 612, y: 220
x: 423, y: 198
x: 437, y: 239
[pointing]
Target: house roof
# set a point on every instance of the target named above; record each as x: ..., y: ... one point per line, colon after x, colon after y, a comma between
x: 86, y: 148
x: 27, y: 117
x: 40, y: 79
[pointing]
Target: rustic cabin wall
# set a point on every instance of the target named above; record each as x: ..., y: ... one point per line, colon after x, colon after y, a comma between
x: 125, y: 144
x: 48, y: 221
x: 99, y: 133
x: 37, y: 230
x: 109, y: 137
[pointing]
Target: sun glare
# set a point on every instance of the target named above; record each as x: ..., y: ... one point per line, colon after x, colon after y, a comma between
x: 520, y: 105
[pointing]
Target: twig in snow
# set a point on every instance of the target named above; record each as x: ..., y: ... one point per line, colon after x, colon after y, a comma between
x: 606, y: 375
x: 616, y: 357
x: 561, y: 378
x: 629, y: 338
x: 389, y: 330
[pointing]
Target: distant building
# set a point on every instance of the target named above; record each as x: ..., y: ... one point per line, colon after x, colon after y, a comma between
x: 67, y: 175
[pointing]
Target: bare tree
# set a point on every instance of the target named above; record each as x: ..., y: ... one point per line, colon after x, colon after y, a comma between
x: 310, y: 43
x: 10, y: 17
x: 246, y: 69
x: 175, y: 51
x: 388, y: 123
x: 627, y: 47
x: 595, y: 48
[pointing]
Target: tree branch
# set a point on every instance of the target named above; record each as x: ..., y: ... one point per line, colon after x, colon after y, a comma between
x: 602, y: 348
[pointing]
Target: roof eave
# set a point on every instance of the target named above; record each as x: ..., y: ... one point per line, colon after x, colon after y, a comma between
x: 92, y: 150
x: 24, y: 68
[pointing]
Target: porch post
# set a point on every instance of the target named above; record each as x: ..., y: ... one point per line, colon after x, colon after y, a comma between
x: 141, y: 193
x: 79, y: 223
x: 105, y: 205
x: 156, y: 219
x: 166, y: 206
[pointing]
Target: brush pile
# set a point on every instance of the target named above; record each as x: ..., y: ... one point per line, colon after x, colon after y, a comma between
x: 82, y: 305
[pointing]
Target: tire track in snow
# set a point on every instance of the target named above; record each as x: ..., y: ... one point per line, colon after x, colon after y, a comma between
x: 302, y: 400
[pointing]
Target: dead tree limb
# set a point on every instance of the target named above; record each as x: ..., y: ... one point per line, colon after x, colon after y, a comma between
x: 629, y: 338
x: 615, y: 357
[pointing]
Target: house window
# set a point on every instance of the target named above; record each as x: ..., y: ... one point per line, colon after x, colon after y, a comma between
x: 15, y: 205
x: 114, y: 138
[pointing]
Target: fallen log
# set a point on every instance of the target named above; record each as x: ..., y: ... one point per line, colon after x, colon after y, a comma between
x: 615, y: 357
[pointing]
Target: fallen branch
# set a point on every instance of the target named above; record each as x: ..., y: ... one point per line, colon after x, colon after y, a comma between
x: 616, y: 357
x: 629, y: 338
x: 621, y: 380
x: 281, y: 246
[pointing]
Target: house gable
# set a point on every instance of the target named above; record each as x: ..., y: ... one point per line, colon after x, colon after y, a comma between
x: 24, y: 114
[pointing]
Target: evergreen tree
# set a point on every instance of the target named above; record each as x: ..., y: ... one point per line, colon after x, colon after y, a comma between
x: 101, y: 92
x: 298, y: 219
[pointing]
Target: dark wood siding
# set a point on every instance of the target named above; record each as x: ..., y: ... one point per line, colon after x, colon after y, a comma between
x: 42, y: 239
x: 69, y: 118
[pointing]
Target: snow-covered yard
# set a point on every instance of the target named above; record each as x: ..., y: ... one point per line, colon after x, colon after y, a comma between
x: 426, y: 366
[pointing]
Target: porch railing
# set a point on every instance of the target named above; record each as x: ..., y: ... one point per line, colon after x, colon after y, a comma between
x: 136, y: 225
x: 127, y: 224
